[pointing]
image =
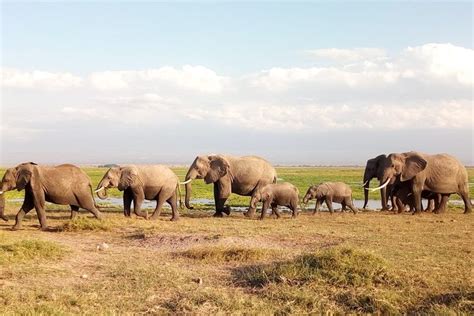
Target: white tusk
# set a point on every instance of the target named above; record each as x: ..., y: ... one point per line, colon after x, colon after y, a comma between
x: 101, y: 188
x: 1, y: 192
x: 185, y: 182
x: 363, y: 185
x: 382, y: 186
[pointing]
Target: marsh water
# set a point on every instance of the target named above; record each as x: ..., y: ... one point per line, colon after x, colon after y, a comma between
x: 118, y: 202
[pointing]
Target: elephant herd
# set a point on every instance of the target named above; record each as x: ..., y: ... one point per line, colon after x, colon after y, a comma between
x: 405, y: 178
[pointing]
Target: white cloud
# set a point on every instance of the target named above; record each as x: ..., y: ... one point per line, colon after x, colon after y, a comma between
x: 14, y: 78
x: 347, y: 55
x: 195, y: 78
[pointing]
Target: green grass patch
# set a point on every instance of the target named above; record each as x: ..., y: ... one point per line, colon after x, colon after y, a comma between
x: 86, y: 224
x: 27, y: 249
x: 225, y: 254
x: 336, y: 266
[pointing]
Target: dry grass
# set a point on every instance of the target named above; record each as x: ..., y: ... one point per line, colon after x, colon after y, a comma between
x: 365, y: 263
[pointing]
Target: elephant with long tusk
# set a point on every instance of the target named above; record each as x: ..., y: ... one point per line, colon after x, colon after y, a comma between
x: 151, y: 182
x: 374, y: 169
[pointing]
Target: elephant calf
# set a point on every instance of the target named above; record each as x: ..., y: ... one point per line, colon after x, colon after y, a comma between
x: 403, y: 196
x: 329, y: 192
x: 274, y: 194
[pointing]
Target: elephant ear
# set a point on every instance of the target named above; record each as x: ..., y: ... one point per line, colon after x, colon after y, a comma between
x: 219, y: 167
x: 128, y: 177
x: 23, y: 178
x: 322, y: 190
x: 413, y: 165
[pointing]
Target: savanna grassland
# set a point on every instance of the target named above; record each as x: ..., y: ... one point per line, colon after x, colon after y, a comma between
x: 364, y: 263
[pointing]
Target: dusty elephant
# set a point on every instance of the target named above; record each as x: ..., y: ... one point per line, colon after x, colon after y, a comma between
x: 64, y: 184
x: 441, y: 173
x: 374, y: 169
x: 329, y: 192
x: 151, y: 182
x: 229, y: 174
x: 275, y: 194
x: 403, y: 196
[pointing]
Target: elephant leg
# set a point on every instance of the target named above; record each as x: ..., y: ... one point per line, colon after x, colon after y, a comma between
x: 343, y: 206
x: 431, y: 205
x: 442, y: 204
x: 383, y: 193
x: 467, y: 201
x: 74, y: 210
x: 27, y: 206
x: 400, y: 205
x: 348, y: 202
x: 127, y: 202
x: 316, y: 207
x: 294, y: 209
x: 275, y: 210
x: 394, y: 203
x: 417, y: 199
x: 329, y: 204
x: 220, y: 202
x: 265, y: 206
x: 138, y: 199
x: 159, y: 205
x: 86, y: 201
x: 41, y: 213
x: 173, y: 202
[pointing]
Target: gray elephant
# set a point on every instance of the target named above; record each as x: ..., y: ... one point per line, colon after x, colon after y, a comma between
x: 151, y: 182
x: 441, y: 173
x: 229, y: 174
x: 374, y: 169
x: 329, y: 192
x: 64, y: 184
x: 8, y: 183
x: 275, y: 194
x: 403, y: 197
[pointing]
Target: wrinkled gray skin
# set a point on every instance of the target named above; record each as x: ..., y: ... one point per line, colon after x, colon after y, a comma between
x: 64, y: 184
x: 229, y: 174
x: 374, y: 169
x: 441, y: 173
x: 329, y: 192
x: 151, y: 182
x: 275, y: 194
x: 404, y: 197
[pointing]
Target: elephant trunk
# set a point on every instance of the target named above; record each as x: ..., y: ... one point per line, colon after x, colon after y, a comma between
x: 366, y: 192
x: 102, y: 191
x: 191, y: 175
x: 2, y: 207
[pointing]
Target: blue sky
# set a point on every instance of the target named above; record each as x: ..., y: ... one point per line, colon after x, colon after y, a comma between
x: 231, y: 38
x: 305, y: 83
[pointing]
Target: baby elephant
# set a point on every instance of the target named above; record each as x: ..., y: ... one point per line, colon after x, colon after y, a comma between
x: 274, y: 194
x: 329, y: 192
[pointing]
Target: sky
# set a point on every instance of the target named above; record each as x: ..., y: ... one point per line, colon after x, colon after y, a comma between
x: 314, y: 83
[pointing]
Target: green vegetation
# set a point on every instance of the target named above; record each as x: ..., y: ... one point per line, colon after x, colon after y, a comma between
x: 25, y: 250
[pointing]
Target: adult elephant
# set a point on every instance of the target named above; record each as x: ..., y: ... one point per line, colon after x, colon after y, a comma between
x: 441, y: 173
x: 229, y: 174
x: 64, y: 184
x: 374, y: 169
x: 151, y: 182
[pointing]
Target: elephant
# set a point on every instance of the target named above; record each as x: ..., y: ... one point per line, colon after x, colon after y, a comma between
x: 374, y: 169
x: 329, y: 192
x: 64, y: 184
x: 151, y: 182
x: 274, y: 194
x: 230, y: 174
x: 403, y: 196
x: 439, y: 173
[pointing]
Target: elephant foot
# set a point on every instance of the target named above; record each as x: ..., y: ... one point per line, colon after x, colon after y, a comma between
x: 174, y: 218
x: 467, y: 211
x: 4, y: 218
x: 227, y: 209
x: 249, y: 214
x: 15, y: 227
x: 218, y: 214
x: 44, y: 228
